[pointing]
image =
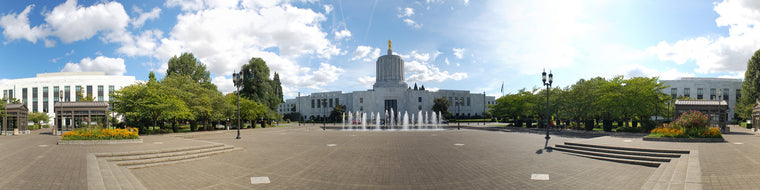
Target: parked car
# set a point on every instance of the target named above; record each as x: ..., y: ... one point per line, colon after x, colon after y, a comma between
x: 444, y: 122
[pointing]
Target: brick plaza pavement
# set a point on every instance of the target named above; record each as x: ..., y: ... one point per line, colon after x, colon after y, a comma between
x: 300, y: 158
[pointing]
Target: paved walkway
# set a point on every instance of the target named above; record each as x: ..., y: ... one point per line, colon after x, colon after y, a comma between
x: 308, y: 158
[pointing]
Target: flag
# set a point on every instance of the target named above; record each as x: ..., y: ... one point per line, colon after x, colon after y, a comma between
x: 502, y: 87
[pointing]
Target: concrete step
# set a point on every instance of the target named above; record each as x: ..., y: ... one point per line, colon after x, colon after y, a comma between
x: 626, y: 152
x: 136, y: 153
x: 121, y: 177
x: 613, y: 155
x: 109, y: 180
x: 620, y: 160
x: 140, y: 166
x: 168, y: 154
x: 630, y: 148
x: 173, y: 158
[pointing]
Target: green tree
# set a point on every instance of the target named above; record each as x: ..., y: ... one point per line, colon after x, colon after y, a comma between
x: 750, y: 87
x: 258, y: 87
x: 441, y: 105
x: 38, y: 117
x: 337, y: 113
x: 249, y: 109
x: 83, y: 98
x: 187, y: 64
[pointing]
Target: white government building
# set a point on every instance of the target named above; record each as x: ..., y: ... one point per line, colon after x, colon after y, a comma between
x: 40, y: 93
x: 706, y: 89
x: 390, y: 91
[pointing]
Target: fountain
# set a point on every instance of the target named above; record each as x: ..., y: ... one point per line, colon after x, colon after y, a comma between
x: 393, y: 120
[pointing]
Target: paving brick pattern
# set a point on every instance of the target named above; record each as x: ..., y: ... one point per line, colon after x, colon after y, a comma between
x: 299, y: 158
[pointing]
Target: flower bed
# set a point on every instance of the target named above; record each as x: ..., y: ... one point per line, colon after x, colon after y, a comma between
x: 101, y: 134
x: 692, y: 124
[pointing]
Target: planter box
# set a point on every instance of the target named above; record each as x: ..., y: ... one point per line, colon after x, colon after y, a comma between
x: 671, y: 139
x: 123, y: 141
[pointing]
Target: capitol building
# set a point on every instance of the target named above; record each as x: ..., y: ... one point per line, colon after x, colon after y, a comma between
x: 390, y: 92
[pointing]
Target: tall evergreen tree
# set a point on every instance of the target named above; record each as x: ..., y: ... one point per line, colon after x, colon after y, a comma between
x: 750, y: 87
x: 257, y: 86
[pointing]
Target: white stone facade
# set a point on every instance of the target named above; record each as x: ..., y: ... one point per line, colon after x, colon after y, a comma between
x: 389, y: 91
x: 40, y: 93
x: 706, y: 89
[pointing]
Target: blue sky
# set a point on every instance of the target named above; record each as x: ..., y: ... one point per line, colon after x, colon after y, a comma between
x: 332, y: 45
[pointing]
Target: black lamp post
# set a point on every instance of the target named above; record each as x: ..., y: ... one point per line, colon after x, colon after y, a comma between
x: 324, y: 116
x: 548, y: 85
x: 457, y: 102
x: 237, y: 78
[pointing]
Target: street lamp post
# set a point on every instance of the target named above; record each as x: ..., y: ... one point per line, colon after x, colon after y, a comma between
x: 237, y: 79
x: 548, y: 85
x: 324, y: 116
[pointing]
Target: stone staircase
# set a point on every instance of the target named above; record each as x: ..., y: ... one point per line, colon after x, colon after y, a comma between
x: 111, y: 170
x: 676, y: 169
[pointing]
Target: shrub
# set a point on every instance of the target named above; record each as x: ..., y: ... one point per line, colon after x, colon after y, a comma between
x: 691, y: 124
x: 100, y: 134
x: 628, y: 129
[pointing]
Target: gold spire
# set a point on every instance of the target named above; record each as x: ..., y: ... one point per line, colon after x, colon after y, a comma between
x: 389, y: 44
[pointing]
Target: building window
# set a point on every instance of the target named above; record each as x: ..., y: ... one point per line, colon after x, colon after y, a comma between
x: 319, y: 103
x: 419, y: 99
x: 312, y: 103
x: 66, y: 97
x: 89, y: 90
x: 700, y: 93
x: 56, y: 93
x: 361, y: 100
x: 34, y: 95
x: 5, y: 94
x: 331, y: 103
x: 419, y: 107
x: 34, y: 107
x: 686, y: 92
x: 468, y: 101
x: 674, y: 92
x: 725, y: 94
x: 337, y: 101
x: 100, y: 93
x: 78, y: 92
x: 45, y: 99
x: 110, y: 93
x: 361, y: 108
x: 738, y: 94
x: 712, y: 94
x: 23, y: 96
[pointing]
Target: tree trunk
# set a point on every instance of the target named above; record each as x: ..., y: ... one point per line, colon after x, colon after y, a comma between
x: 175, y: 127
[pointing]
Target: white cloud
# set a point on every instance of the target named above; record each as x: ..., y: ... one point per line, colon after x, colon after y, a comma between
x: 411, y: 23
x: 366, y: 81
x: 328, y: 9
x: 405, y: 12
x: 223, y: 84
x: 733, y: 75
x: 635, y: 70
x: 343, y: 34
x: 459, y: 52
x: 366, y: 53
x: 324, y: 75
x: 446, y: 61
x: 224, y: 37
x: 723, y: 53
x: 144, y: 16
x: 466, y: 2
x: 70, y: 22
x: 16, y: 26
x: 418, y: 68
x: 111, y: 66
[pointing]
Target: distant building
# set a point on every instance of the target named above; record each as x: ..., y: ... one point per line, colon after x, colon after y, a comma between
x: 390, y: 92
x: 707, y: 89
x: 39, y: 94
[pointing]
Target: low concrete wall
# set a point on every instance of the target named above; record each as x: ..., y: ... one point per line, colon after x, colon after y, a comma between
x: 124, y: 141
x: 671, y: 139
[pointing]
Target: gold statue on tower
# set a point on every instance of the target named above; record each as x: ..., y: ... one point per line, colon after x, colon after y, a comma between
x: 389, y: 44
